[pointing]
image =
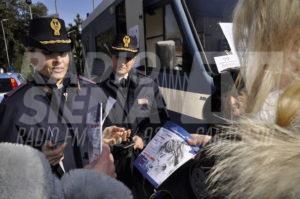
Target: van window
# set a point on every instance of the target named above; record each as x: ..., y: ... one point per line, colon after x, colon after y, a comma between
x: 154, y: 30
x: 161, y: 25
x: 104, y: 40
x: 206, y: 16
x: 173, y: 33
x: 114, y: 22
x: 121, y: 18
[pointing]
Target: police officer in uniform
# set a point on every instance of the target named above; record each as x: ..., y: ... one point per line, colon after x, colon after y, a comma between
x: 54, y: 110
x: 139, y: 105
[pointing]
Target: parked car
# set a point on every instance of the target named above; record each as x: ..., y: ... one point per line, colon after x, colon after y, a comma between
x: 10, y: 81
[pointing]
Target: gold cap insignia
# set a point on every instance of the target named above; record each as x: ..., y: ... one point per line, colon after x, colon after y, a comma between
x: 126, y: 41
x: 56, y: 26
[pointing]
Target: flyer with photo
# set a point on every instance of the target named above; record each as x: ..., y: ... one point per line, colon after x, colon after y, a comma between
x: 165, y: 153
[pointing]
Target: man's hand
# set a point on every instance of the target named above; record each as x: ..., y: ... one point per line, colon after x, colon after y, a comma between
x: 198, y: 139
x: 138, y: 142
x: 115, y: 135
x: 104, y: 163
x: 54, y: 155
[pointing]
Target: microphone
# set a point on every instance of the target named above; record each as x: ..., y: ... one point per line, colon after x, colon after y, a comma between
x: 84, y: 183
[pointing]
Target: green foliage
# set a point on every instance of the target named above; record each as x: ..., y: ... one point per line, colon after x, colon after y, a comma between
x: 17, y: 13
x: 75, y: 35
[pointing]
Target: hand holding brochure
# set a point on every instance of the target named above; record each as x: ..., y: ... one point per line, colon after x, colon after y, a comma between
x: 165, y: 153
x: 96, y: 120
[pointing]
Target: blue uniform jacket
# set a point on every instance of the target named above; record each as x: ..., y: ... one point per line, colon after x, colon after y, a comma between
x: 139, y: 104
x: 39, y: 111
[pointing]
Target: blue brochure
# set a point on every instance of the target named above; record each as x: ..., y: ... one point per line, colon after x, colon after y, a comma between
x: 165, y: 153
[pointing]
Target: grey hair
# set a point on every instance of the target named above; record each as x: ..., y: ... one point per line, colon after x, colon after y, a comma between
x: 25, y: 173
x: 88, y: 184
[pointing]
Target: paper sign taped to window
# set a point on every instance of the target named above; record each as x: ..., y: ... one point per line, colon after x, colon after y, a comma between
x: 227, y: 61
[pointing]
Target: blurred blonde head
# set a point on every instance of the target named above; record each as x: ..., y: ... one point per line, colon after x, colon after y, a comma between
x: 267, y: 37
x: 263, y: 163
x: 288, y: 107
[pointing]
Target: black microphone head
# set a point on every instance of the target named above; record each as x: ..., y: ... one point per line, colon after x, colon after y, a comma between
x: 25, y: 173
x: 96, y: 186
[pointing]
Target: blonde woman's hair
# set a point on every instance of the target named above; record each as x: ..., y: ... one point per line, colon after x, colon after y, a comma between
x: 265, y: 32
x: 263, y: 163
x: 288, y: 107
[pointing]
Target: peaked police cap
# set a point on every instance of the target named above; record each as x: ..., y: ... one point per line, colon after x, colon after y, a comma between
x: 48, y: 33
x: 125, y: 46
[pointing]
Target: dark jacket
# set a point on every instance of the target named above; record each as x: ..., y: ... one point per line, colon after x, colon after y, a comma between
x: 139, y: 104
x: 38, y: 111
x: 140, y: 107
